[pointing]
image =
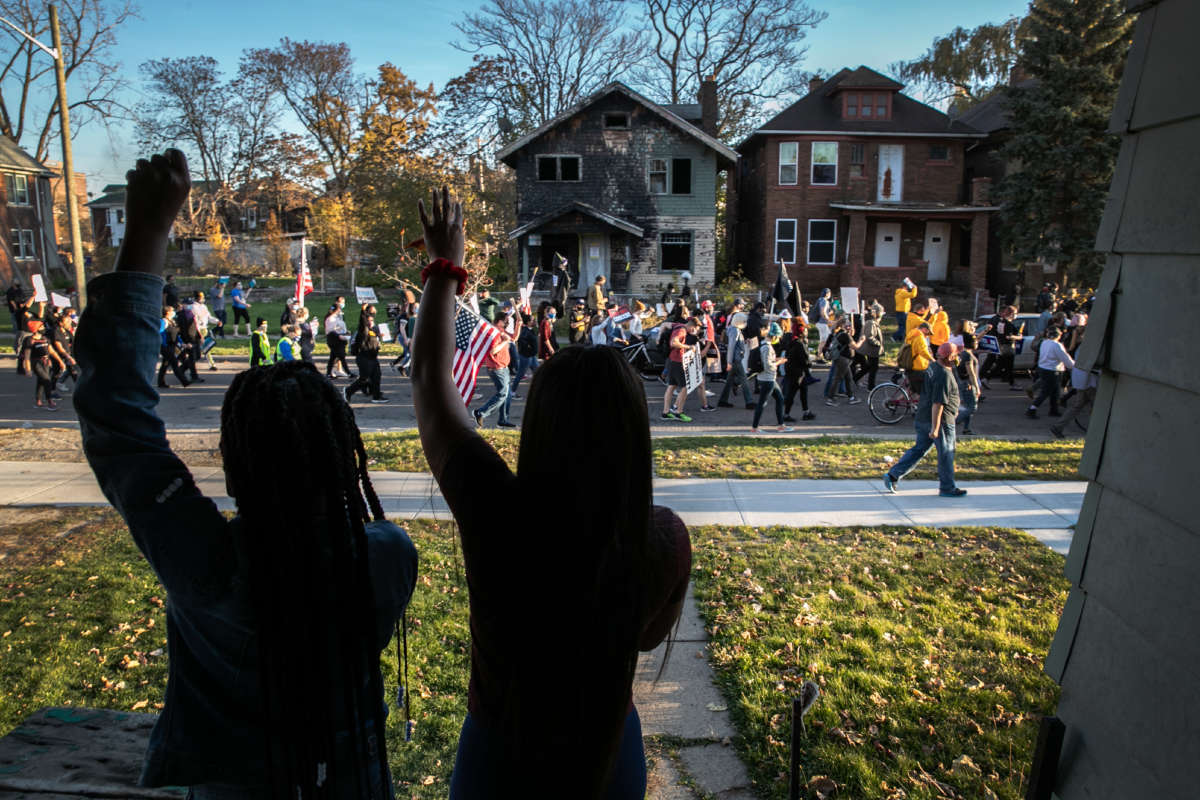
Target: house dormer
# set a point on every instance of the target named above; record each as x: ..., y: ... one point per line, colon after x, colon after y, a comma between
x: 864, y: 95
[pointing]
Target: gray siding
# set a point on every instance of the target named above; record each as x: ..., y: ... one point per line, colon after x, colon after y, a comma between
x: 1128, y: 645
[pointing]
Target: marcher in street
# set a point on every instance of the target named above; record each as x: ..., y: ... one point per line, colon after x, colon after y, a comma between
x: 596, y: 300
x: 365, y: 349
x: 903, y: 297
x: 767, y: 386
x: 488, y: 305
x: 1084, y: 383
x: 969, y: 389
x: 735, y: 363
x: 934, y: 424
x: 174, y: 350
x: 241, y: 308
x: 676, y: 381
x: 870, y: 348
x: 1053, y: 361
x: 796, y: 372
x: 337, y: 335
x: 577, y: 324
x: 1007, y: 332
x: 547, y: 343
x: 496, y: 362
x: 260, y: 345
x: 39, y: 359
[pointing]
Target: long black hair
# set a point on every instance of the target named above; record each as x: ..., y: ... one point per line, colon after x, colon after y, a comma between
x: 305, y: 551
x: 564, y: 721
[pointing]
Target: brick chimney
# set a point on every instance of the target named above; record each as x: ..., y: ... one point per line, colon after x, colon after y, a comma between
x: 708, y: 106
x: 981, y: 191
x: 814, y: 82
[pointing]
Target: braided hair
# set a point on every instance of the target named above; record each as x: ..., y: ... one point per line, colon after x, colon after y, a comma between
x: 305, y: 550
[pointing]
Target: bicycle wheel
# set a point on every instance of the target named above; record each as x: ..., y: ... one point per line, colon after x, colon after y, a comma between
x: 888, y: 403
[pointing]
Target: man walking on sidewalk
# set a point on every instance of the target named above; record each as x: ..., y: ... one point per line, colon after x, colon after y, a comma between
x: 935, y: 425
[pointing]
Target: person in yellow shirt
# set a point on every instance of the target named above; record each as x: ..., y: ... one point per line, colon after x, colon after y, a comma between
x: 904, y: 297
x: 939, y: 329
x: 919, y: 313
x: 595, y: 296
x: 922, y: 356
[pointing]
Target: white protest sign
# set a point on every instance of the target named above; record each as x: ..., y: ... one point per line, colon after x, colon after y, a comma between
x: 385, y: 333
x: 660, y: 309
x: 691, y: 370
x: 849, y: 299
x: 524, y: 297
x: 59, y: 300
x: 620, y: 313
x: 39, y: 289
x: 909, y: 284
x: 365, y: 294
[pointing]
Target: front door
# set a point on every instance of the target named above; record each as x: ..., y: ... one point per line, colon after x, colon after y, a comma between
x: 891, y: 173
x: 594, y: 259
x: 937, y: 249
x: 887, y: 244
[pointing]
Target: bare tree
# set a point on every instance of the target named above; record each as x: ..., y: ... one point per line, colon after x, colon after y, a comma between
x: 533, y: 60
x: 89, y: 29
x: 753, y: 49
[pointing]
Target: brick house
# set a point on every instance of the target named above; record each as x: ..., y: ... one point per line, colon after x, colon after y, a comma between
x: 623, y: 187
x: 26, y: 216
x: 857, y: 184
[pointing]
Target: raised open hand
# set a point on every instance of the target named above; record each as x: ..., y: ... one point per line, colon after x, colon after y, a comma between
x: 156, y: 190
x: 444, y: 234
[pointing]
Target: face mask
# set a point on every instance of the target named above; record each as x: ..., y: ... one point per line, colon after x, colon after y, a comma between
x: 551, y: 316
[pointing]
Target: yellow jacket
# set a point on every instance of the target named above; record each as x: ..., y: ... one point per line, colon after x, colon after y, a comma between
x: 912, y: 321
x: 904, y: 298
x: 939, y: 329
x: 595, y: 296
x: 922, y: 357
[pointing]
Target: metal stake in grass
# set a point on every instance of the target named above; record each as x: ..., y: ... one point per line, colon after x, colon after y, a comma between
x: 800, y: 706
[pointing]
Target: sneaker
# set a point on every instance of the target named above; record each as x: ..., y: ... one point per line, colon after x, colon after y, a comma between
x: 854, y: 401
x: 668, y: 415
x: 750, y: 406
x: 785, y: 429
x: 808, y: 415
x: 724, y: 404
x: 889, y: 482
x: 755, y: 431
x: 679, y: 415
x: 51, y: 407
x: 953, y: 493
x: 967, y: 432
x: 789, y: 418
x: 829, y: 401
x: 708, y: 408
x: 213, y: 368
x: 707, y: 393
x: 1057, y: 431
x: 505, y: 425
x: 380, y: 399
x: 478, y: 419
x: 1031, y: 413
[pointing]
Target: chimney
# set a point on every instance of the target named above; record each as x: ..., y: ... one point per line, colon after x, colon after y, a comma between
x: 708, y: 106
x: 1017, y: 74
x: 814, y: 83
x: 981, y: 191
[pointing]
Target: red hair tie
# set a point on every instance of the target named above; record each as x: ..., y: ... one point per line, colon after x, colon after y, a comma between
x: 444, y: 266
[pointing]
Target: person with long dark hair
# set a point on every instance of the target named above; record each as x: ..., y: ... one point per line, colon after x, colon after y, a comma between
x: 276, y: 617
x: 611, y: 588
x: 336, y: 336
x: 365, y: 349
x: 38, y: 358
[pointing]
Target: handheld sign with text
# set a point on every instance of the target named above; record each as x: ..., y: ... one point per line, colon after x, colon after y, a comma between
x: 691, y: 370
x: 59, y: 300
x: 39, y: 289
x: 365, y: 294
x: 385, y: 333
x: 909, y: 284
x: 660, y: 309
x: 620, y: 313
x: 850, y: 298
x: 989, y: 344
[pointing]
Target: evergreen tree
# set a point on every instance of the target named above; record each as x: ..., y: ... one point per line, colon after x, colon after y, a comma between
x: 1061, y: 155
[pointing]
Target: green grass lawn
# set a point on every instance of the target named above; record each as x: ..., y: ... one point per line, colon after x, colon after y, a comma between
x: 821, y: 457
x: 927, y: 645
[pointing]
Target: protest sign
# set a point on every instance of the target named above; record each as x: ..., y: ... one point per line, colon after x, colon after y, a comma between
x: 59, y: 300
x: 620, y: 313
x: 989, y: 344
x: 691, y: 370
x: 660, y: 309
x: 385, y: 333
x: 850, y: 298
x: 365, y: 294
x: 39, y: 289
x: 908, y: 283
x: 223, y: 279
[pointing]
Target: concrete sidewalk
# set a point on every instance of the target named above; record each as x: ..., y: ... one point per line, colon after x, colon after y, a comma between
x: 1047, y: 509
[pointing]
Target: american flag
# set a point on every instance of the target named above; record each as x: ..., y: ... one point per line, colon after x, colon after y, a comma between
x: 304, y: 284
x: 473, y: 339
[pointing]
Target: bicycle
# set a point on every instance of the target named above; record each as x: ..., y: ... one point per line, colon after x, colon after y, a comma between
x: 639, y: 357
x: 890, y: 402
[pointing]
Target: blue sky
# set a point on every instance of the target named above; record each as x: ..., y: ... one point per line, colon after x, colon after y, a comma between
x: 414, y: 35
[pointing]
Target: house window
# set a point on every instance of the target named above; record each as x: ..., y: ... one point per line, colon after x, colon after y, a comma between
x: 18, y: 190
x: 558, y: 168
x: 785, y: 241
x: 120, y: 216
x: 857, y: 160
x: 658, y: 176
x: 789, y: 157
x: 824, y: 163
x: 822, y: 237
x: 675, y: 251
x: 681, y: 176
x: 939, y: 152
x: 881, y: 106
x: 22, y: 244
x: 866, y: 105
x: 251, y: 218
x: 616, y: 121
x: 851, y: 105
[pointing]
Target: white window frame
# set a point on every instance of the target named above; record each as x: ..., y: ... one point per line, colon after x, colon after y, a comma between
x: 793, y: 240
x: 22, y: 243
x: 537, y: 170
x: 812, y: 164
x: 794, y: 163
x: 665, y: 172
x: 808, y: 242
x: 13, y: 192
x: 691, y: 250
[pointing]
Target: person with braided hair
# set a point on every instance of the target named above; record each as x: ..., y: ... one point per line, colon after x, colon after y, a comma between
x: 561, y: 727
x: 276, y: 617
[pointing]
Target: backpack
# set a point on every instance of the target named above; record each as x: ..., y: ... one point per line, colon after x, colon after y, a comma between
x: 754, y: 363
x: 904, y: 359
x: 527, y: 343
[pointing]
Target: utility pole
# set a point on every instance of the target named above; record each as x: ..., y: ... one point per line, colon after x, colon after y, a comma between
x: 68, y: 169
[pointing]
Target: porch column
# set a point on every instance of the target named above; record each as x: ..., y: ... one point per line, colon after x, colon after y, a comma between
x: 977, y: 274
x: 852, y: 271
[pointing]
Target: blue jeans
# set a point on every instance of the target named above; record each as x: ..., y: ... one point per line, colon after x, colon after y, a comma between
x: 500, y: 379
x: 768, y: 389
x: 967, y: 408
x: 736, y: 375
x: 844, y: 386
x: 901, y: 325
x: 945, y: 454
x: 1049, y: 384
x: 480, y: 773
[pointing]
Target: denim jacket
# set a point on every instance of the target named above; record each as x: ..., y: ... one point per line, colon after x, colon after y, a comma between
x: 211, y: 726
